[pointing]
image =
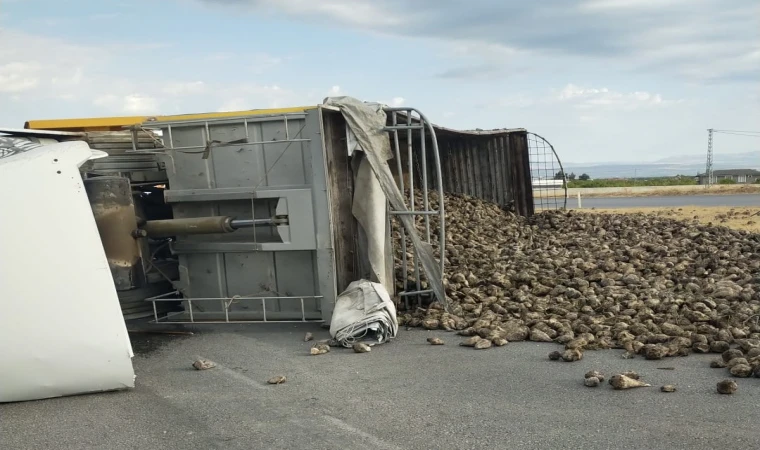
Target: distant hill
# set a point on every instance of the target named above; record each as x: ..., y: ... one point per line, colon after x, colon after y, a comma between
x: 671, y: 166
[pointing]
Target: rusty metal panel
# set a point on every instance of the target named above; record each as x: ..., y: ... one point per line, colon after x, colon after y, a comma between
x: 494, y: 166
x: 522, y: 184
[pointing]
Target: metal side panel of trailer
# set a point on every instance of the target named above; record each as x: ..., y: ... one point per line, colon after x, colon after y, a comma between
x: 253, y: 167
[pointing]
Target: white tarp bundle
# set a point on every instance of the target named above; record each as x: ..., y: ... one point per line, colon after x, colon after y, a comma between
x: 61, y: 330
x: 364, y: 312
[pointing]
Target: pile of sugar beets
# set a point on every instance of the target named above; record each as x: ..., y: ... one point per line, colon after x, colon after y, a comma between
x: 651, y: 286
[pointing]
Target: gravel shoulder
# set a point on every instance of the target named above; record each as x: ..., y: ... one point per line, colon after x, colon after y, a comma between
x: 402, y: 395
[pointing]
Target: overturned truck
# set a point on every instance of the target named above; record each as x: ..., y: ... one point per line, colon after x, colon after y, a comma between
x: 267, y: 215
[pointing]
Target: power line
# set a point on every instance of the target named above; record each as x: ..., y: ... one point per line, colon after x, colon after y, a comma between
x: 748, y: 134
x: 735, y: 131
x: 709, y: 165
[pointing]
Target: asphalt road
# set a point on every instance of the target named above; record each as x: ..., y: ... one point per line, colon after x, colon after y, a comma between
x: 402, y: 395
x: 673, y: 201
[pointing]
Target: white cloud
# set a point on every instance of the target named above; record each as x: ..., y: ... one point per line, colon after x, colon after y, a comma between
x: 140, y: 104
x: 128, y: 104
x: 234, y: 104
x: 358, y: 13
x: 701, y: 41
x: 252, y: 96
x: 587, y: 97
x: 606, y: 5
x: 184, y: 88
x: 58, y: 79
x: 19, y: 76
x: 262, y: 62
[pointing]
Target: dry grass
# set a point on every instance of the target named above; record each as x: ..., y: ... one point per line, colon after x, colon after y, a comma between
x: 741, y: 218
x: 653, y: 191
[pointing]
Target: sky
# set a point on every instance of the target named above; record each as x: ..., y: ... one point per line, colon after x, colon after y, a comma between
x: 602, y: 80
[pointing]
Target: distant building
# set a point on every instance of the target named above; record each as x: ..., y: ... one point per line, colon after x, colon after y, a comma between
x: 739, y: 176
x: 548, y: 184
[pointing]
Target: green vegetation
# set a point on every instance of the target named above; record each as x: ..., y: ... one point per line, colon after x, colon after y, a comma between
x: 726, y: 181
x: 585, y: 181
x: 631, y: 182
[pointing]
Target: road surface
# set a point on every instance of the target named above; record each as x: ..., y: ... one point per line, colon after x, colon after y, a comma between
x: 402, y: 395
x: 674, y: 201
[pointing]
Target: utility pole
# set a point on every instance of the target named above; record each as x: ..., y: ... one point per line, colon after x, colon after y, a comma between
x: 709, y: 166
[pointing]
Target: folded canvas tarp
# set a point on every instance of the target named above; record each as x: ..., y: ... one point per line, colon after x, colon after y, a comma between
x: 364, y: 312
x: 61, y: 329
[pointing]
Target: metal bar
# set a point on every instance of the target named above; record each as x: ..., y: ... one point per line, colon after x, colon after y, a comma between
x: 403, y: 127
x: 410, y: 155
x: 171, y: 138
x: 207, y: 139
x: 439, y: 177
x: 222, y: 247
x: 239, y: 297
x: 425, y: 204
x: 236, y: 193
x: 250, y: 223
x: 201, y: 147
x: 407, y: 213
x: 253, y: 218
x: 222, y: 120
x: 410, y: 293
x: 399, y: 165
x: 264, y: 308
x: 303, y: 311
x: 190, y: 308
x: 211, y: 322
x: 163, y: 296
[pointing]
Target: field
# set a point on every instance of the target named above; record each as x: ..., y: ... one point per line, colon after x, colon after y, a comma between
x: 632, y: 182
x: 740, y: 218
x: 651, y: 191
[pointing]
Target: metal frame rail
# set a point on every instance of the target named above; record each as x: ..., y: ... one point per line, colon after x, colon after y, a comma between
x: 542, y: 167
x: 228, y: 301
x: 409, y: 125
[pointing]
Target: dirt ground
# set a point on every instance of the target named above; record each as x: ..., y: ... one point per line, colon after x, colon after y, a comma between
x: 740, y: 218
x: 653, y: 191
x: 666, y: 191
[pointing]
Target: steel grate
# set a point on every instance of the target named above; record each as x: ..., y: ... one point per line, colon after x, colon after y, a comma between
x: 547, y: 175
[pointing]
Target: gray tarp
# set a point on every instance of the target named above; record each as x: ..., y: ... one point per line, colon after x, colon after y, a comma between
x: 364, y: 312
x: 367, y: 123
x: 369, y: 208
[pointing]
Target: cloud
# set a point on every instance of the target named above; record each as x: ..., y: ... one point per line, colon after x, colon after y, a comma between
x: 184, y: 88
x: 128, y: 104
x: 397, y: 101
x: 86, y: 80
x: 587, y: 98
x: 44, y: 67
x: 702, y: 41
x: 18, y: 77
x: 348, y: 12
x: 485, y: 71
